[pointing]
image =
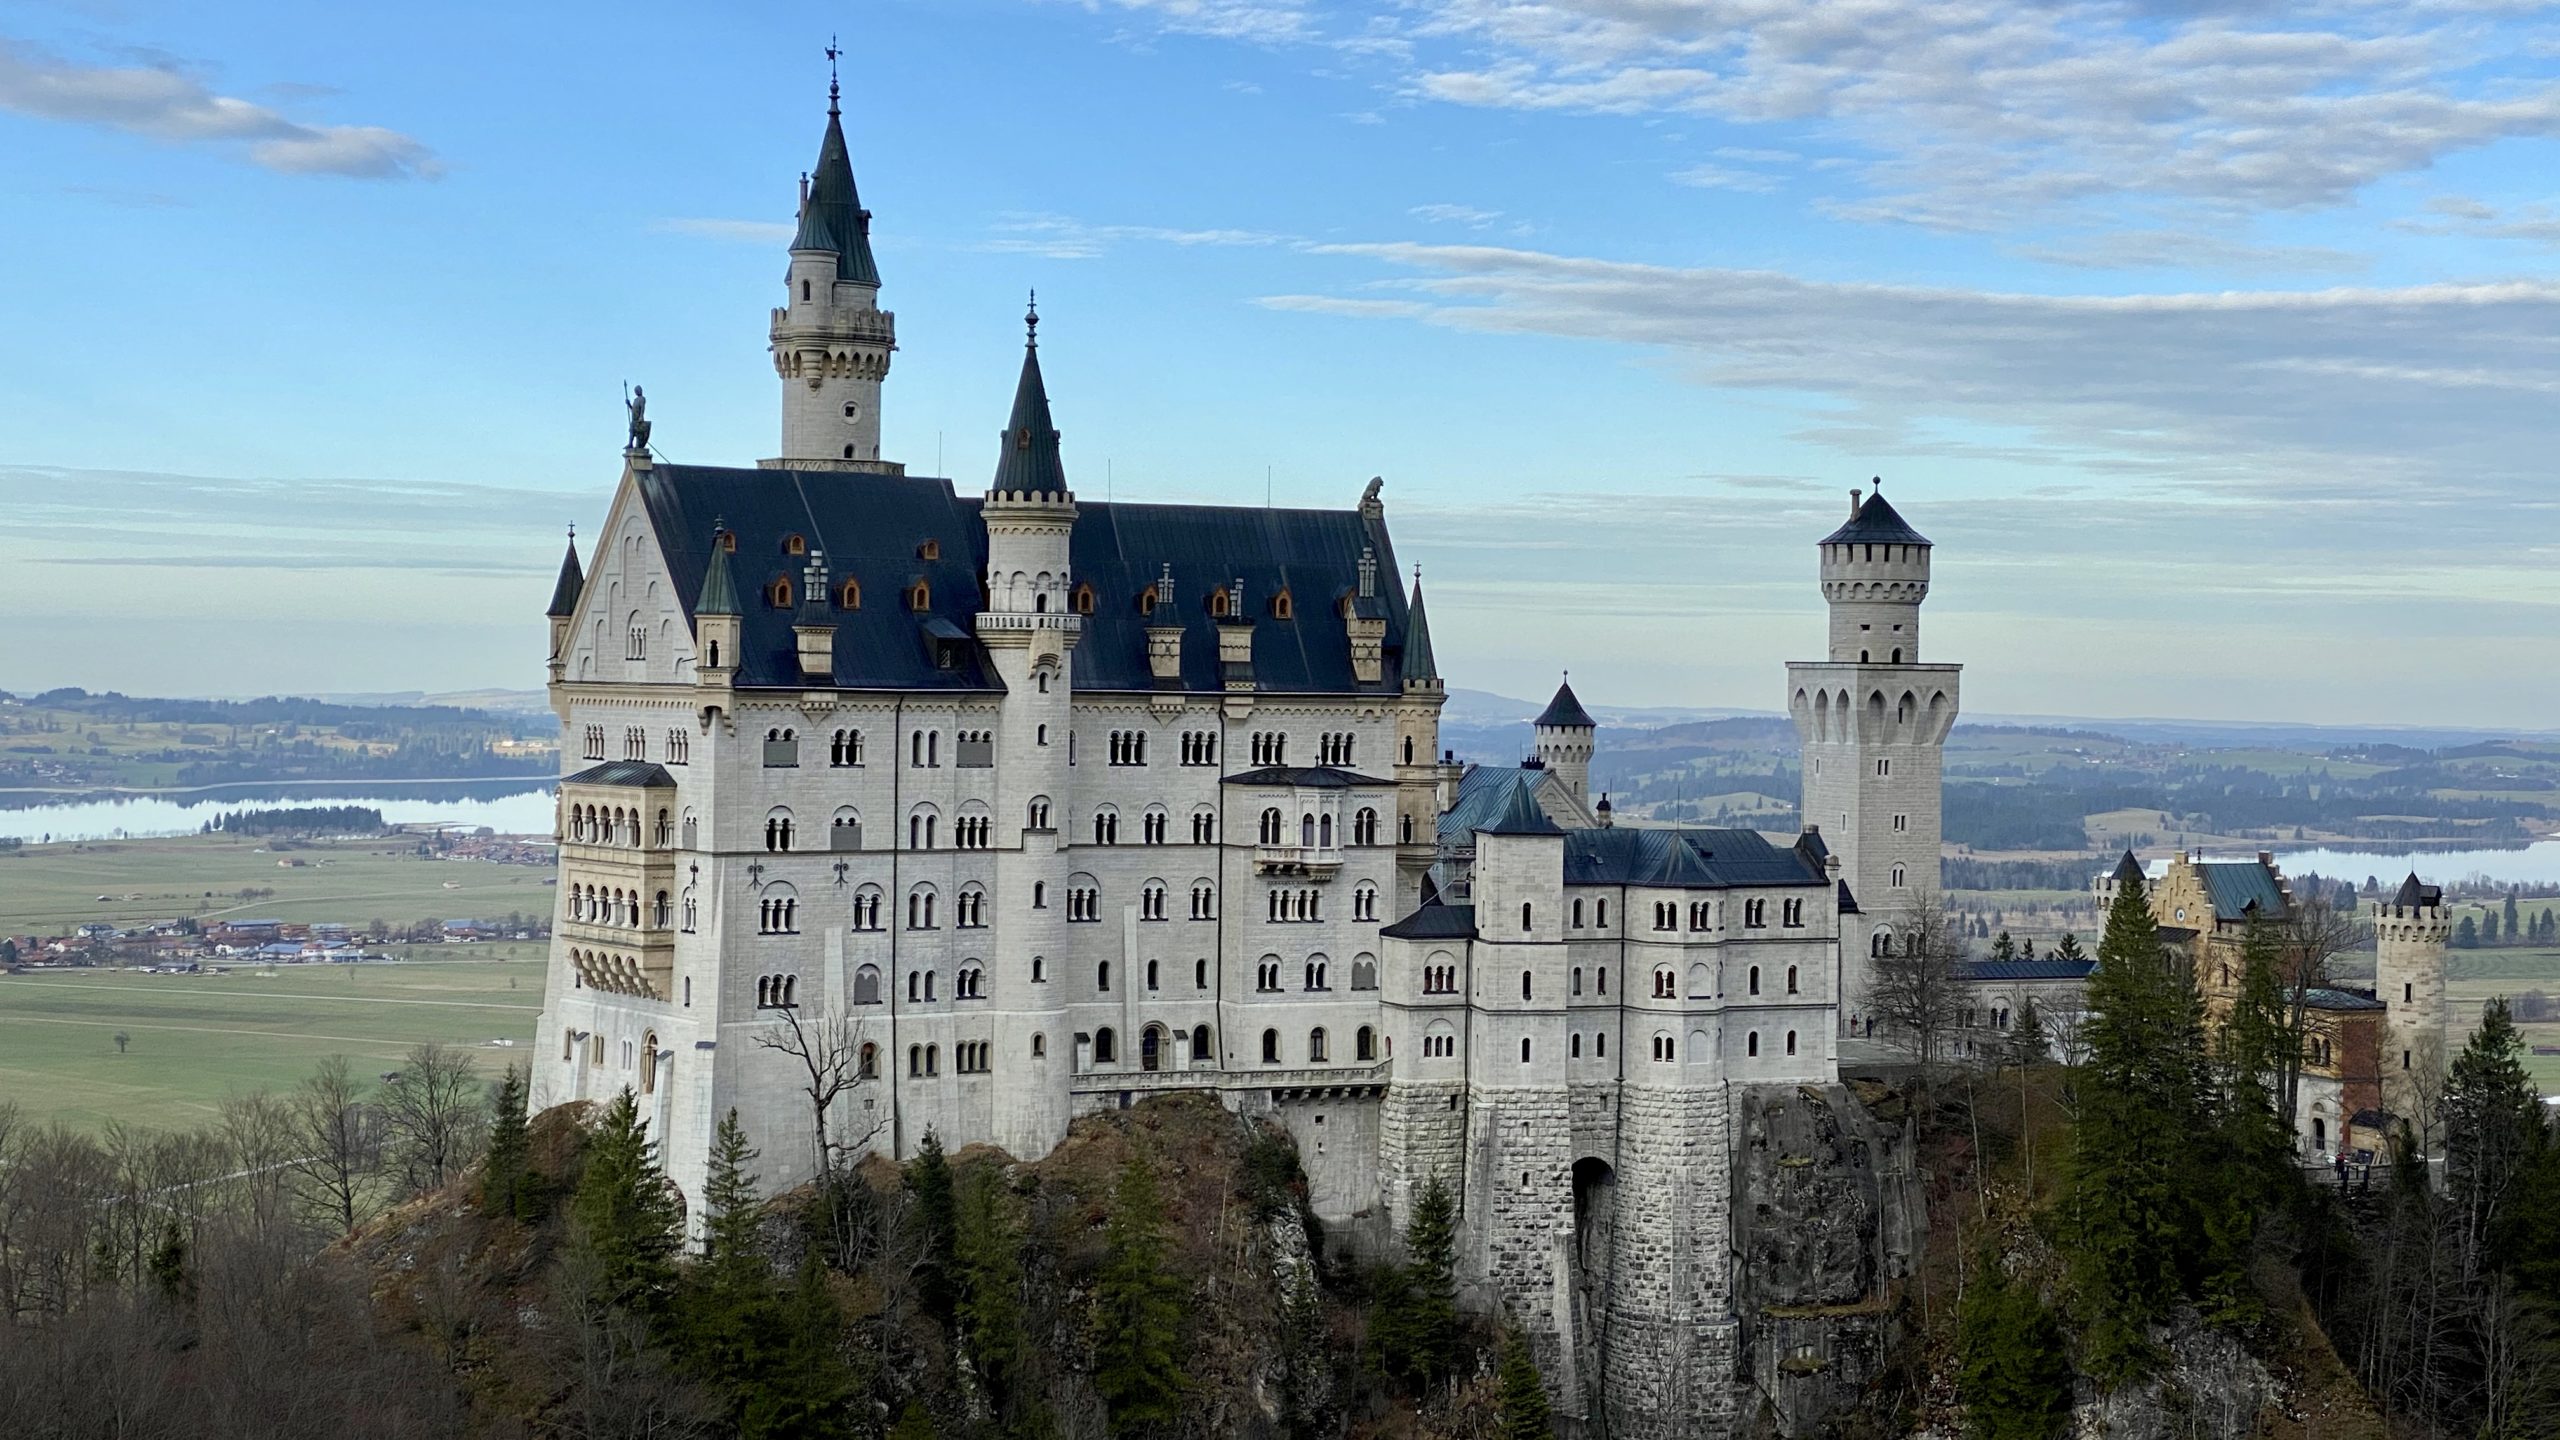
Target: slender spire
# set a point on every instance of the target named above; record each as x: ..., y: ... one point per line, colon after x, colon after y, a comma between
x: 1418, y: 664
x: 831, y: 214
x: 1565, y: 710
x: 719, y: 592
x: 573, y: 581
x: 1030, y: 463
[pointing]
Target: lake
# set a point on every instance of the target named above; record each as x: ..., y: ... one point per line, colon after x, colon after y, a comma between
x: 2536, y: 865
x: 510, y: 807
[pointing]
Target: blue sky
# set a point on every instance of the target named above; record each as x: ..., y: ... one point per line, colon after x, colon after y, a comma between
x: 2218, y: 346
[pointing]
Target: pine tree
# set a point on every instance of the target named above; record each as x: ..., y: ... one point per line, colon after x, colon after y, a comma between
x: 1415, y: 1328
x: 2129, y: 1221
x: 2068, y: 948
x: 2004, y: 948
x: 806, y: 1391
x: 987, y: 1249
x: 2494, y: 1132
x: 2011, y: 1374
x: 928, y: 1181
x: 2466, y: 936
x: 625, y: 1215
x: 1523, y: 1396
x: 2253, y: 1048
x: 2028, y: 1042
x: 2513, y: 934
x: 733, y: 1214
x: 168, y: 1266
x: 508, y: 1185
x: 1138, y: 1306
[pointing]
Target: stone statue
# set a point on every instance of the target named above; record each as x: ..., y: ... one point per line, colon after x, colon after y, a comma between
x: 1369, y: 497
x: 637, y: 402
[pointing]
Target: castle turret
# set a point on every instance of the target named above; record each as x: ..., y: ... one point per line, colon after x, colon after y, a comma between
x: 2410, y: 932
x: 831, y: 341
x: 565, y: 594
x: 1422, y: 789
x: 1873, y: 721
x: 1030, y: 632
x: 1564, y: 734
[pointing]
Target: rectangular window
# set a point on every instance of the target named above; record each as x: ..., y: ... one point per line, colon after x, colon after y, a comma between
x: 976, y: 750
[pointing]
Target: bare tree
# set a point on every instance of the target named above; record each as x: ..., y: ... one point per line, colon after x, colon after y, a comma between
x: 2313, y: 935
x: 337, y: 1143
x: 829, y: 1049
x: 1916, y: 994
x: 2064, y: 1013
x: 434, y: 1112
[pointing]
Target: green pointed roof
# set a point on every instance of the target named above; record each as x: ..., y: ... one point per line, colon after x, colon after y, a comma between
x: 832, y: 217
x: 719, y: 592
x: 573, y: 583
x: 1418, y: 664
x: 1523, y: 816
x: 1030, y: 463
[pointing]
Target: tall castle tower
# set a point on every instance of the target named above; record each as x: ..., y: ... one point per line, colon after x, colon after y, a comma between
x: 1873, y: 720
x: 2410, y: 932
x: 1030, y: 632
x: 1564, y: 732
x: 831, y: 340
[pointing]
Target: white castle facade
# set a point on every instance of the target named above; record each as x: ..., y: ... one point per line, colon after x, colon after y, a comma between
x: 1013, y: 805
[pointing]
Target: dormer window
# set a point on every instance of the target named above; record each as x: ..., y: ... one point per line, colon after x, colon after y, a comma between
x: 794, y: 545
x: 1218, y: 603
x: 1084, y: 599
x: 929, y: 550
x: 779, y: 592
x: 849, y: 595
x: 729, y: 542
x: 1147, y: 601
x: 920, y: 597
x: 1281, y: 606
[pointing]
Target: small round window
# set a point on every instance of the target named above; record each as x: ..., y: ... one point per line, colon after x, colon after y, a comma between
x: 852, y: 411
x: 2182, y: 912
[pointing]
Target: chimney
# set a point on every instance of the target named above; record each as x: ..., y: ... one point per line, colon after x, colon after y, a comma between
x: 1854, y: 496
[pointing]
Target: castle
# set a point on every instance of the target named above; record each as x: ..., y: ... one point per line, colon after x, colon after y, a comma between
x: 968, y: 813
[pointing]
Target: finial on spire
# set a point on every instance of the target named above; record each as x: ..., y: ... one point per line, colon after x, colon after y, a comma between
x: 1031, y: 322
x: 573, y: 532
x: 832, y: 53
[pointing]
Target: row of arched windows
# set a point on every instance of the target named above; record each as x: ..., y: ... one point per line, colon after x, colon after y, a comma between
x: 1364, y: 1046
x: 645, y: 1058
x: 613, y: 825
x: 1296, y: 906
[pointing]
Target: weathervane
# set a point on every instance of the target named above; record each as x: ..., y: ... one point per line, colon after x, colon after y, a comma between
x: 832, y: 53
x: 1031, y: 321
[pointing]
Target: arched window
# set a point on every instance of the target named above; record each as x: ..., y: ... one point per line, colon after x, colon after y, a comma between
x: 1524, y: 1049
x: 1102, y: 977
x: 1364, y: 1044
x: 1791, y: 980
x: 1524, y: 916
x: 1106, y: 1047
x: 870, y: 1061
x: 1751, y: 1043
x: 1316, y: 1053
x: 1755, y: 979
x: 1270, y: 1047
x: 1200, y: 974
x: 1524, y: 984
x: 866, y: 985
x: 1791, y: 1042
x: 1200, y: 1054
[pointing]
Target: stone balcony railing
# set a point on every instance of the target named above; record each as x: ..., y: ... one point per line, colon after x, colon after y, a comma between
x: 1296, y: 859
x: 1258, y: 1077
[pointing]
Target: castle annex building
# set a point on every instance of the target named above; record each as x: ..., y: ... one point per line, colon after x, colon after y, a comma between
x: 1015, y: 804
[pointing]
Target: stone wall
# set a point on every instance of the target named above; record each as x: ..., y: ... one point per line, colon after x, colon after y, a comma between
x: 1670, y: 1333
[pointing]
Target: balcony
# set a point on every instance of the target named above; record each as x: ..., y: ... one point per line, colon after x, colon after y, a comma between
x: 1317, y: 861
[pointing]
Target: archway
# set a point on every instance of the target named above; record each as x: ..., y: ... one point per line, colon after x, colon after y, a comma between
x: 1151, y: 1048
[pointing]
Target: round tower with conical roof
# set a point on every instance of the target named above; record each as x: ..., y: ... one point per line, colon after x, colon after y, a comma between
x: 2410, y: 932
x: 1565, y: 732
x: 831, y: 341
x: 1030, y: 630
x: 1873, y: 722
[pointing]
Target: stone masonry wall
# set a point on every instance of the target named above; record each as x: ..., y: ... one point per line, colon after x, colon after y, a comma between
x: 1515, y: 1253
x: 1671, y: 1331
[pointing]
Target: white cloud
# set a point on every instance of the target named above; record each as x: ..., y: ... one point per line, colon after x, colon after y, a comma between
x: 1467, y: 215
x: 160, y: 102
x: 1724, y: 177
x: 1981, y: 114
x: 1262, y: 21
x: 2417, y: 397
x: 1060, y: 237
x: 2183, y: 249
x: 2533, y: 224
x: 755, y: 232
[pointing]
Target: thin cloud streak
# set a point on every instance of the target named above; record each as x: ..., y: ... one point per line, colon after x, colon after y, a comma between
x: 164, y: 104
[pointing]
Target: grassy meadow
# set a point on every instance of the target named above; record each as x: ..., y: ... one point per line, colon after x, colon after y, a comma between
x: 48, y: 889
x: 195, y: 1039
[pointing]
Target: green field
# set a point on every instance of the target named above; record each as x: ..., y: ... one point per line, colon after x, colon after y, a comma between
x: 2473, y: 976
x: 198, y: 1038
x: 48, y: 889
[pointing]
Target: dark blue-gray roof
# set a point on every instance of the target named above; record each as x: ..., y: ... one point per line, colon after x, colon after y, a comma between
x: 2037, y: 969
x: 1030, y: 463
x: 573, y: 583
x: 1309, y: 777
x: 1521, y: 815
x: 1876, y: 523
x: 1484, y: 793
x: 623, y: 772
x: 1435, y: 921
x: 1685, y: 859
x: 832, y: 218
x: 2235, y: 885
x: 1566, y: 710
x: 873, y: 529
